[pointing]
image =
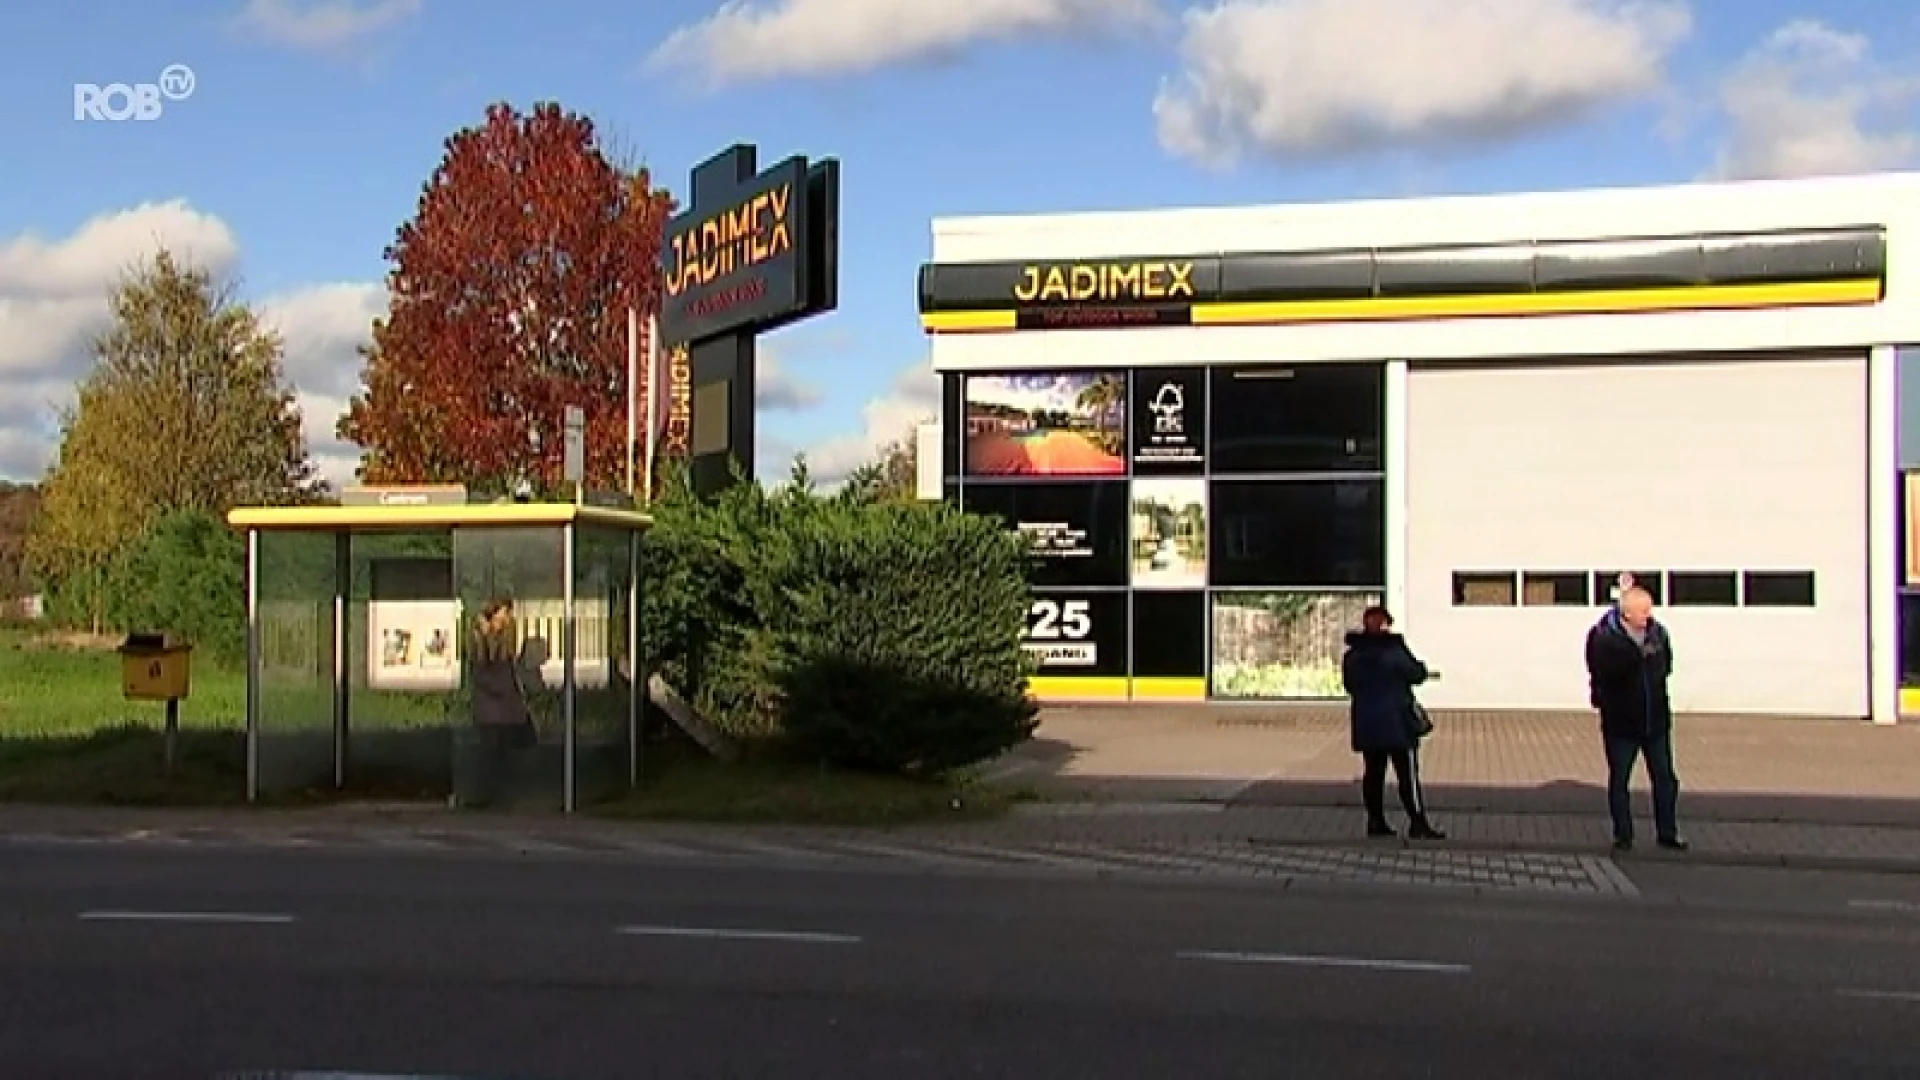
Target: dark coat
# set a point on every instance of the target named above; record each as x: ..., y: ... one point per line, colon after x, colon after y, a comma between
x: 1380, y: 672
x: 1628, y: 683
x: 497, y: 699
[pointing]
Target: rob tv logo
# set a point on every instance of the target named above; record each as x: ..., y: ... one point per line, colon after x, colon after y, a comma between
x: 115, y: 102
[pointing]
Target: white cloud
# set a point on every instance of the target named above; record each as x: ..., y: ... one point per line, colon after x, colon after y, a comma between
x: 1812, y: 100
x: 747, y: 41
x: 323, y: 328
x: 1297, y: 79
x: 320, y: 25
x: 913, y: 399
x: 53, y: 300
x: 775, y: 389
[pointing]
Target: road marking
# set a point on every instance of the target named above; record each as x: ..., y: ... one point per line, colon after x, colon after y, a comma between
x: 245, y: 918
x: 1885, y: 905
x: 1357, y: 962
x: 715, y: 933
x: 1882, y: 995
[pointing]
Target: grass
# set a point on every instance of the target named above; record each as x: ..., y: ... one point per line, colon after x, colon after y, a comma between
x: 769, y: 787
x: 68, y: 737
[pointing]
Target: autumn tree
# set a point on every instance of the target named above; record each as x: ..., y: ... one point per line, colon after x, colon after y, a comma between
x: 19, y: 503
x: 186, y: 410
x: 509, y: 292
x: 892, y: 475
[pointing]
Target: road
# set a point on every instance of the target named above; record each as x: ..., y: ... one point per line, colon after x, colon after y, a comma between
x: 189, y: 964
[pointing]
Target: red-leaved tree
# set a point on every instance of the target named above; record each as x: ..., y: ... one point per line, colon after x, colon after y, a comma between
x: 509, y: 293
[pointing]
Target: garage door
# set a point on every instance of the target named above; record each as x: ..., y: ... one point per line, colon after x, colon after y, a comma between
x: 1731, y: 483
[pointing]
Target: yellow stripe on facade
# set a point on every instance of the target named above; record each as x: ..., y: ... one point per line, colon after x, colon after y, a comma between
x: 1492, y: 305
x: 1078, y: 688
x: 1596, y: 301
x: 1164, y: 689
x: 1909, y: 702
x: 949, y: 322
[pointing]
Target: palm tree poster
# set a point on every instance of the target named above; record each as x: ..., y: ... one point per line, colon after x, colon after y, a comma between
x: 1057, y: 424
x: 1170, y: 533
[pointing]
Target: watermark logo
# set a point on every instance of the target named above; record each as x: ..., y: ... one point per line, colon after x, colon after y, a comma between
x: 115, y: 102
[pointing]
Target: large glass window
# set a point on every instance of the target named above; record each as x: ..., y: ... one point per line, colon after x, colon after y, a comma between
x: 1169, y: 634
x: 1078, y: 528
x: 1282, y: 643
x: 1297, y: 533
x: 1309, y: 418
x: 1064, y: 423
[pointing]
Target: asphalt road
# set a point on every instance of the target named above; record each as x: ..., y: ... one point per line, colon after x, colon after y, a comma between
x: 184, y: 965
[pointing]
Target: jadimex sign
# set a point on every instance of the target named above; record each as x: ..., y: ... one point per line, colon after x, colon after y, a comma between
x: 762, y: 258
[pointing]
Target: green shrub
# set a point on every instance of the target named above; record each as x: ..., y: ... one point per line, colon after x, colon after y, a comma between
x: 186, y: 576
x: 877, y: 635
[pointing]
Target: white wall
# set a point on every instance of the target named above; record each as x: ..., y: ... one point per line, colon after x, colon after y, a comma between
x: 1671, y: 465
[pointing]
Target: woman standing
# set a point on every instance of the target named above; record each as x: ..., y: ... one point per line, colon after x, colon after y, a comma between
x: 1380, y: 672
x: 501, y: 719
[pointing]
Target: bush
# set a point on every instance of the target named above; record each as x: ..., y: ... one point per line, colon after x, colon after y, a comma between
x: 876, y: 635
x: 186, y: 576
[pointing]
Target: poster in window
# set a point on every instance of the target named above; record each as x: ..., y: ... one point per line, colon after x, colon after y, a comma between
x: 412, y: 625
x: 1170, y: 532
x: 1282, y: 644
x: 1169, y: 420
x: 1059, y: 424
x: 1912, y: 500
x: 1077, y: 530
x: 1073, y: 632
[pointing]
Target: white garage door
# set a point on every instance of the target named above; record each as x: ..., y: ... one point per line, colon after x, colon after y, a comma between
x: 1693, y: 466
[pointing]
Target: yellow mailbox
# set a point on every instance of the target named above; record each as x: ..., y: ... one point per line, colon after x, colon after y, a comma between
x: 153, y: 667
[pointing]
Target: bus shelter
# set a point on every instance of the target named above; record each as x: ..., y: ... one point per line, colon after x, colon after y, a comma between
x: 358, y: 619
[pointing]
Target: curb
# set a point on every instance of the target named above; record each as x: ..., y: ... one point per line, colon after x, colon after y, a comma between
x: 1696, y: 857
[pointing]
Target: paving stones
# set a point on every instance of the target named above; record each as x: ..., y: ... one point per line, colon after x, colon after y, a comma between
x: 1243, y: 860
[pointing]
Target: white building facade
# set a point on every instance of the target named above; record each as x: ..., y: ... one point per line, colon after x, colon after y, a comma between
x: 1228, y: 430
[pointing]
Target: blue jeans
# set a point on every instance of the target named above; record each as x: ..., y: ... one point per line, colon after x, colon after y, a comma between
x: 1621, y: 754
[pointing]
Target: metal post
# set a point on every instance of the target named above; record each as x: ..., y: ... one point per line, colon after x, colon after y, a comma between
x: 342, y: 582
x: 567, y: 651
x: 253, y: 665
x: 172, y: 734
x: 636, y: 669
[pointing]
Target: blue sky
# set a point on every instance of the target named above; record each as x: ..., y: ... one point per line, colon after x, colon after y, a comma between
x: 312, y: 126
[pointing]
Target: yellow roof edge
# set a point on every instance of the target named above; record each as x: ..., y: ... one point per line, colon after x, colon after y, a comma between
x: 471, y: 516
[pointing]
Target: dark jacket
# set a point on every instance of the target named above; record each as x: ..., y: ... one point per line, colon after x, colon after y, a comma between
x: 497, y: 699
x: 1380, y: 672
x: 1627, y: 683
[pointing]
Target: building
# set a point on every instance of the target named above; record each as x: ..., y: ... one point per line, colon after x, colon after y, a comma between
x: 1228, y: 430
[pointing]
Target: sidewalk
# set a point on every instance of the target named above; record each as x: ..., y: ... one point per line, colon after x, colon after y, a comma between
x: 1756, y: 791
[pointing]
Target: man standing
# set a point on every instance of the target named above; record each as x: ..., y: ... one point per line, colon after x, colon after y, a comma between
x: 1629, y: 657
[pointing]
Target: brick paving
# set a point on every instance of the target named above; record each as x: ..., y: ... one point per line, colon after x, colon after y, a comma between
x: 1732, y: 768
x: 992, y: 848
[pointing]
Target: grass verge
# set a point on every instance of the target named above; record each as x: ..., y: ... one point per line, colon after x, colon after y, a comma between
x: 774, y: 788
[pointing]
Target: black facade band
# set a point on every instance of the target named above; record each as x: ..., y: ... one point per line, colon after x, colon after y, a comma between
x: 1115, y: 291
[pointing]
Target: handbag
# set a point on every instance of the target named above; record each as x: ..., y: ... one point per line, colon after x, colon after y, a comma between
x: 1419, y: 721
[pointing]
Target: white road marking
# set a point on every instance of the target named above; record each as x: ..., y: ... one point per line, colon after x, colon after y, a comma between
x: 244, y: 918
x: 1882, y: 995
x: 715, y: 933
x: 1356, y: 962
x: 1885, y: 905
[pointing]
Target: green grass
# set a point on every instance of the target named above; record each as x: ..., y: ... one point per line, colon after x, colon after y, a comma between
x: 51, y: 692
x: 768, y: 787
x: 67, y: 736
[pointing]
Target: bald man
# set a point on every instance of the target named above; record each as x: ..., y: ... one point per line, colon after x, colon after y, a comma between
x: 1629, y: 658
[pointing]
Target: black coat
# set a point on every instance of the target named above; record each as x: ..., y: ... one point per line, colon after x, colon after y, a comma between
x: 1628, y: 682
x: 1380, y: 672
x: 497, y: 698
